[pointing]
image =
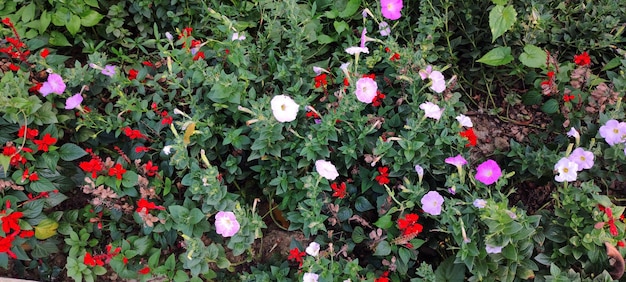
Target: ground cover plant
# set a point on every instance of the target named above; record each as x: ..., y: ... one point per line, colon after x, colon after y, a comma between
x: 312, y: 140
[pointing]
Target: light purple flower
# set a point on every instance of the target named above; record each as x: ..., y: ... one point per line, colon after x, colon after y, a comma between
x: 480, y: 203
x: 464, y: 121
x: 573, y: 133
x: 310, y: 277
x: 584, y: 159
x: 357, y: 50
x: 488, y: 172
x: 366, y: 89
x: 424, y: 73
x: 169, y: 36
x: 613, y: 132
x: 384, y: 29
x: 109, y: 70
x: 457, y: 161
x: 226, y: 224
x: 313, y: 249
x: 326, y: 169
x: 238, y: 37
x: 566, y: 169
x: 54, y: 84
x: 431, y: 110
x: 363, y: 38
x: 432, y: 202
x: 491, y: 249
x: 452, y: 190
x: 438, y: 81
x: 317, y: 70
x: 391, y: 9
x: 73, y: 101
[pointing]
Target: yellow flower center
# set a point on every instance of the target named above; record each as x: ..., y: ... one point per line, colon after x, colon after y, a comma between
x: 565, y: 169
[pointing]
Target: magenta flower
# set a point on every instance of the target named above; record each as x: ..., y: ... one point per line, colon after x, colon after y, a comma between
x: 432, y: 202
x: 363, y: 38
x: 366, y: 89
x: 226, y: 224
x: 613, y: 132
x: 488, y: 172
x: 391, y: 9
x: 54, y: 84
x: 73, y: 101
x: 457, y: 161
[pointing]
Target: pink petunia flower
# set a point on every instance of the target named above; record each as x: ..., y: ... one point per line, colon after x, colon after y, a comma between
x: 488, y: 172
x: 54, y: 84
x: 226, y: 224
x: 366, y: 89
x: 391, y: 9
x: 73, y: 101
x: 326, y: 169
x: 431, y: 110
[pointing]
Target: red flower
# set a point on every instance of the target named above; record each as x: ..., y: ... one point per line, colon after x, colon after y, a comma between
x: 387, y: 49
x: 144, y: 206
x: 320, y: 80
x: 47, y: 140
x: 395, y: 57
x: 13, y: 67
x: 339, y: 190
x: 296, y: 255
x: 383, y: 175
x: 140, y: 149
x: 11, y: 222
x: 133, y: 133
x: 92, y: 261
x: 199, y: 55
x: 7, y: 22
x: 35, y: 88
x: 378, y: 99
x: 470, y: 136
x: 312, y: 114
x: 185, y: 32
x: 371, y: 75
x: 94, y: 166
x: 568, y: 98
x: 346, y: 82
x: 144, y: 270
x: 167, y: 120
x: 44, y: 53
x: 27, y: 233
x: 582, y: 59
x: 132, y: 74
x: 409, y: 226
x: 6, y: 243
x: 117, y: 171
x: 33, y: 177
x: 621, y: 244
x: 125, y: 260
x: 151, y: 170
x: 383, y: 278
x: 147, y: 64
x: 30, y: 133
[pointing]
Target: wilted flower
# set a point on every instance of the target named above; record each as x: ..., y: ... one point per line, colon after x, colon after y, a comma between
x: 384, y: 29
x: 109, y: 70
x: 313, y: 249
x: 420, y: 172
x: 226, y: 224
x: 613, y: 132
x: 391, y: 9
x: 73, y: 101
x: 566, y: 169
x: 488, y: 172
x: 432, y: 202
x: 573, y: 133
x: 366, y: 89
x: 284, y: 108
x: 326, y: 169
x: 584, y: 159
x: 355, y: 50
x: 54, y: 84
x: 431, y: 110
x: 480, y: 203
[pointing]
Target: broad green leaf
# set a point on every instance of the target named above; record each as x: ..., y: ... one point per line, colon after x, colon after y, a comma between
x: 44, y: 21
x: 70, y: 151
x: 532, y: 98
x: 383, y: 249
x: 46, y: 229
x: 501, y: 19
x: 550, y: 107
x: 58, y: 39
x: 615, y: 62
x: 42, y: 185
x: 384, y: 222
x: 4, y: 163
x: 90, y: 18
x: 362, y: 204
x: 497, y: 57
x: 499, y: 2
x: 28, y: 12
x: 340, y: 26
x: 324, y: 39
x: 92, y: 3
x: 351, y: 8
x: 129, y: 179
x: 73, y: 25
x: 533, y: 57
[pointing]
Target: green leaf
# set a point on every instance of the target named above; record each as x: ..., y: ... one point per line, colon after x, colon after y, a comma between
x: 142, y: 245
x: 340, y: 26
x: 550, y: 107
x: 533, y: 57
x: 195, y: 216
x: 44, y: 21
x: 90, y: 18
x: 497, y: 57
x: 615, y: 62
x: 532, y: 98
x: 73, y: 25
x: 46, y: 229
x: 351, y: 8
x: 129, y: 179
x: 92, y: 3
x: 499, y: 2
x: 501, y: 19
x: 58, y: 39
x: 28, y: 12
x: 384, y: 222
x: 383, y: 249
x: 324, y: 39
x: 362, y: 204
x: 70, y: 151
x: 5, y: 161
x: 42, y: 185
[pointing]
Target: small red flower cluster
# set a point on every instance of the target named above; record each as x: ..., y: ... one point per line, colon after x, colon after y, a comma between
x: 383, y: 175
x: 378, y: 99
x: 95, y: 165
x: 470, y: 136
x: 320, y: 80
x: 611, y: 222
x: 582, y: 59
x: 568, y: 98
x: 393, y: 57
x: 167, y: 118
x: 296, y: 255
x: 144, y: 206
x: 10, y: 222
x: 16, y: 48
x: 101, y: 259
x: 134, y: 133
x: 383, y: 278
x: 339, y: 190
x: 118, y: 171
x: 549, y: 86
x: 409, y: 226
